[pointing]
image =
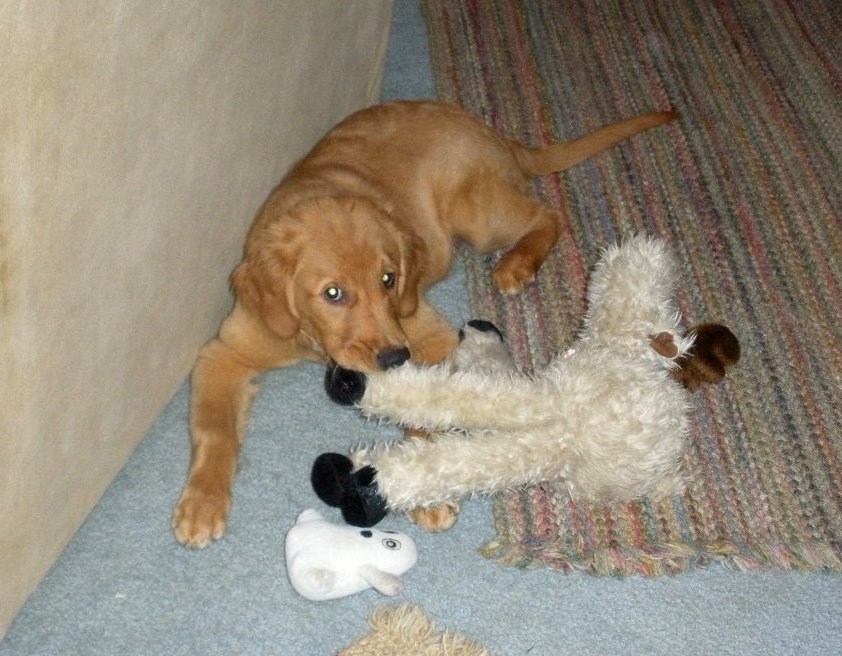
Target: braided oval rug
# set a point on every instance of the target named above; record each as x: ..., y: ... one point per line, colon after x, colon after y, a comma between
x: 746, y: 189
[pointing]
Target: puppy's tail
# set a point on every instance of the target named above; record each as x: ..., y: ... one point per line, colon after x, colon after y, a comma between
x: 561, y: 156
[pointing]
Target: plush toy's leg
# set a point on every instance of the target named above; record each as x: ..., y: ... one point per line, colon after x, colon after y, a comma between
x: 449, y: 467
x: 355, y: 494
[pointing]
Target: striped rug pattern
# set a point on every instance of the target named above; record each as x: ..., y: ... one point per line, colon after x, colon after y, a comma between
x: 746, y: 188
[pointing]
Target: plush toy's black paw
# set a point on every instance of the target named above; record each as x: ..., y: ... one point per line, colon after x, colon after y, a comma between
x: 344, y: 386
x: 483, y: 326
x: 330, y: 476
x: 354, y: 494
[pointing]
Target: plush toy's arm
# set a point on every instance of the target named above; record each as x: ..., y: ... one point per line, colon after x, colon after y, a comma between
x: 436, y: 399
x: 479, y: 382
x: 478, y: 389
x: 383, y: 582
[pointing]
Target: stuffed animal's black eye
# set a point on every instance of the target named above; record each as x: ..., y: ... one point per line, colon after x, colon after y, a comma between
x: 388, y: 279
x: 391, y: 543
x: 333, y: 294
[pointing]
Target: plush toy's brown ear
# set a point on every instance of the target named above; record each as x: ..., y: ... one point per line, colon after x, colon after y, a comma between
x: 262, y: 285
x: 715, y: 348
x: 664, y: 345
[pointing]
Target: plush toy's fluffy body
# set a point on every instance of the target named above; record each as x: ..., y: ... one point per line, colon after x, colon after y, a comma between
x: 326, y: 561
x: 608, y: 417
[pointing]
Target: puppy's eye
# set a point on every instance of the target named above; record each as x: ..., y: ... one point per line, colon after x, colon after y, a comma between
x: 388, y: 279
x: 391, y: 544
x: 333, y: 294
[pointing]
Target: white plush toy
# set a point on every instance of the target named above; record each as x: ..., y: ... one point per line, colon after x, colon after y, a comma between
x: 609, y: 417
x: 326, y: 561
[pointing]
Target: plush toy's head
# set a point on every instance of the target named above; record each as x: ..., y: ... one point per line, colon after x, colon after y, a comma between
x: 326, y: 561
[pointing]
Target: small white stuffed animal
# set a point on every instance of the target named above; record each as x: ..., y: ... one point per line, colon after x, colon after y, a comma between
x: 326, y: 561
x: 608, y: 417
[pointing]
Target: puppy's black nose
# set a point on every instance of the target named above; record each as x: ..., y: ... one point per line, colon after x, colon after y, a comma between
x: 393, y: 357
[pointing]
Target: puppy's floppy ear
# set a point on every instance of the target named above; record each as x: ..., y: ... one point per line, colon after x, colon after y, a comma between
x: 413, y: 264
x: 262, y: 282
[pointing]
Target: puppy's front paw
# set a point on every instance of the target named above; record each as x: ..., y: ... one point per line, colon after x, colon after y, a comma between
x: 200, y: 517
x: 435, y: 519
x: 344, y: 386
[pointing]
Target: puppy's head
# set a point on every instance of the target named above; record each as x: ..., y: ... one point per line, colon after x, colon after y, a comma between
x: 339, y: 272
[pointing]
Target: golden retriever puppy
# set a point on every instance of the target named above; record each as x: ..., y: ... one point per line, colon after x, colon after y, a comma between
x: 337, y: 261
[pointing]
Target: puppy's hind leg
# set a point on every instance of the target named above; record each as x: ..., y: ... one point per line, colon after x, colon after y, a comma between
x: 497, y: 213
x: 520, y: 264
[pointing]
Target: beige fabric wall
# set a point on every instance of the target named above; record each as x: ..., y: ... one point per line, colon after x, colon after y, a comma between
x: 137, y: 140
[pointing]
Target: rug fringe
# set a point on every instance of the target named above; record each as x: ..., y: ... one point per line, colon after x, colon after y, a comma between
x: 668, y: 559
